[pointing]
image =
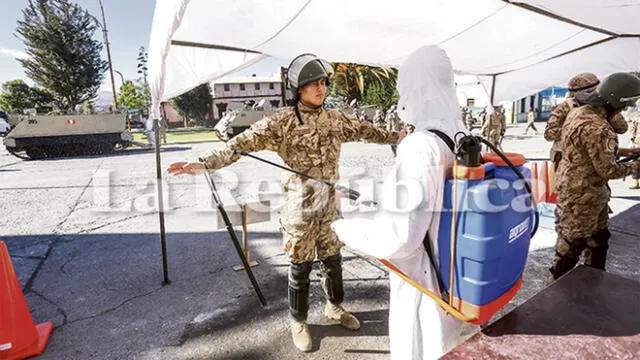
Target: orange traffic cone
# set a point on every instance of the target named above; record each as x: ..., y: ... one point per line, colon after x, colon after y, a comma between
x: 553, y: 196
x: 534, y: 180
x: 19, y: 337
x: 544, y: 183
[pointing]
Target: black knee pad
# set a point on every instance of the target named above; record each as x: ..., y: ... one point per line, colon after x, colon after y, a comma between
x: 332, y: 278
x: 299, y: 289
x: 598, y: 256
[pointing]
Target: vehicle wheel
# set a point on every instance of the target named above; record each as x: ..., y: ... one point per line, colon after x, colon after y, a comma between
x: 36, y: 153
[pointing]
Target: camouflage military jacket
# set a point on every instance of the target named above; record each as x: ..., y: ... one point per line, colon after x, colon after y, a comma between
x: 310, y: 144
x: 590, y: 148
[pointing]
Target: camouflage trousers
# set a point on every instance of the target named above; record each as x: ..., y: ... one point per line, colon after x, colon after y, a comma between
x: 581, y: 229
x: 494, y: 136
x: 306, y: 223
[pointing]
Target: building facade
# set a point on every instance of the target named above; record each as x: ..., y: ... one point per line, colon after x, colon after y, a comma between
x: 232, y: 93
x: 542, y: 103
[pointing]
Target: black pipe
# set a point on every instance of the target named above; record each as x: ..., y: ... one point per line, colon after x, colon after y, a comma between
x: 524, y: 180
x: 234, y: 237
x: 629, y: 158
x: 351, y: 194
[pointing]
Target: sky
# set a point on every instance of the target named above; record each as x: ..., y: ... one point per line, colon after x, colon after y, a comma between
x: 129, y: 25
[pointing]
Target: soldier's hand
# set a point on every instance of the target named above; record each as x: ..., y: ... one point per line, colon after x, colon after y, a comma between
x: 184, y: 167
x: 402, y: 135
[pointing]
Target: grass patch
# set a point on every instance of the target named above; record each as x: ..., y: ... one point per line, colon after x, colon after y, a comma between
x: 186, y: 136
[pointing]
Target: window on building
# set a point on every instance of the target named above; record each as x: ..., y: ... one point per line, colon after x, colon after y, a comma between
x: 257, y: 86
x: 271, y: 86
x: 226, y: 87
x: 241, y: 87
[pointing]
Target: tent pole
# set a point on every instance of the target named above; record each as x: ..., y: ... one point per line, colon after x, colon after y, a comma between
x: 282, y: 85
x: 163, y: 237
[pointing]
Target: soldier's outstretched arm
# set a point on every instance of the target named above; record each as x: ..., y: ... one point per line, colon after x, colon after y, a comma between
x: 265, y: 134
x: 355, y: 130
x: 600, y: 144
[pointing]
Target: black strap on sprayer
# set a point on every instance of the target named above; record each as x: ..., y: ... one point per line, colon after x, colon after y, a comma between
x: 473, y: 158
x: 234, y: 237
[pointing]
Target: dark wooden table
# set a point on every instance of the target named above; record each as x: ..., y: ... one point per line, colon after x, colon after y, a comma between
x: 587, y: 314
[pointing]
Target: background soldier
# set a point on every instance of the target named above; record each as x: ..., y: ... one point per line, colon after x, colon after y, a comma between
x: 590, y: 148
x: 531, y: 119
x: 467, y: 116
x: 393, y: 124
x: 495, y: 126
x: 635, y: 143
x: 308, y: 139
x: 584, y: 82
x: 378, y: 119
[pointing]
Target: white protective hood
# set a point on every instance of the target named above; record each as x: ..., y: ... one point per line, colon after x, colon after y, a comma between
x: 418, y: 328
x: 427, y: 93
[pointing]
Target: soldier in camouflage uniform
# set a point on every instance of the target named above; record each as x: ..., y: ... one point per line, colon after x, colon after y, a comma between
x: 393, y: 123
x: 590, y: 148
x: 495, y: 126
x: 635, y: 143
x: 585, y: 82
x: 378, y: 119
x: 308, y: 138
x: 467, y: 117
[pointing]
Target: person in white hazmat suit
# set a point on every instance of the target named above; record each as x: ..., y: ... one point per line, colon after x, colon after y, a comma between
x: 411, y: 203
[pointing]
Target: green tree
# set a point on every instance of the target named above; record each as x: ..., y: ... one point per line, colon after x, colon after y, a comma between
x: 88, y: 108
x: 351, y: 80
x: 63, y: 56
x: 134, y: 96
x: 195, y: 104
x: 17, y: 95
x: 381, y: 95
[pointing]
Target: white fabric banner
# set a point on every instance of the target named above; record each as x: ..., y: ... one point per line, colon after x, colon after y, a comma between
x: 526, y: 50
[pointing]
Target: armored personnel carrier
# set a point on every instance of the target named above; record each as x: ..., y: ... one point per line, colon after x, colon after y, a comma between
x: 236, y: 121
x: 42, y: 136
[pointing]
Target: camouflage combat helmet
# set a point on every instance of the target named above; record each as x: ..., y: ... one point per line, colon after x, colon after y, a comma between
x: 620, y: 90
x: 583, y: 82
x: 306, y: 69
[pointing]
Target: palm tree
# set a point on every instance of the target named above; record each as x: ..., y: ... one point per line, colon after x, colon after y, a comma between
x: 351, y: 80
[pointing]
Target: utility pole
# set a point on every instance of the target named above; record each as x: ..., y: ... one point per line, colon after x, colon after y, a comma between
x: 106, y: 42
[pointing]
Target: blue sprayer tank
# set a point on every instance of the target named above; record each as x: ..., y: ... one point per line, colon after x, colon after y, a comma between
x: 494, y: 223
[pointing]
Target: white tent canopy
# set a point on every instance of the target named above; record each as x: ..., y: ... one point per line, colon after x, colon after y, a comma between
x: 516, y: 48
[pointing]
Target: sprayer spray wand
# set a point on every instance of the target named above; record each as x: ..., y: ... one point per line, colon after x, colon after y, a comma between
x: 350, y: 193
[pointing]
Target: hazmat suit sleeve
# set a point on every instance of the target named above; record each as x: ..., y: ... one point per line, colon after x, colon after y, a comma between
x: 408, y: 198
x: 355, y: 130
x: 265, y: 134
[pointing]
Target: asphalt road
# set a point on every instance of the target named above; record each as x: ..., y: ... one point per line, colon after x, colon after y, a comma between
x: 83, y: 233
